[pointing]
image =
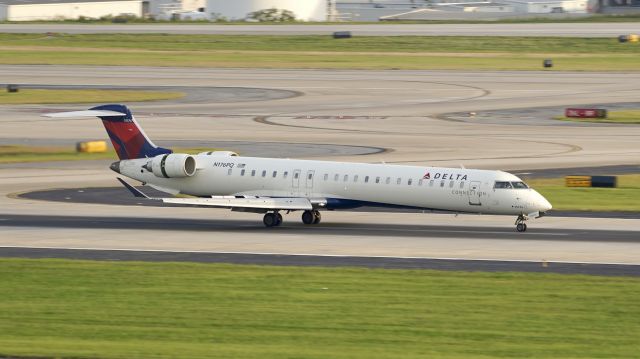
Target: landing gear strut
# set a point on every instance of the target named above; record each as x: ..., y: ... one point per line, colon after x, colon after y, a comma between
x: 273, y: 219
x: 520, y: 225
x: 311, y: 217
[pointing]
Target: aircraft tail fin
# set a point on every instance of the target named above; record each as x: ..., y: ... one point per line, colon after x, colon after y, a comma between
x: 127, y: 137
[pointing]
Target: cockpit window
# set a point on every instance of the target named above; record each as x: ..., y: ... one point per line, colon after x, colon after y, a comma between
x: 501, y: 184
x: 519, y: 185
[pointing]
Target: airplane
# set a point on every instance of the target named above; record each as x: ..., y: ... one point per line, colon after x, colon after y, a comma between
x: 270, y: 186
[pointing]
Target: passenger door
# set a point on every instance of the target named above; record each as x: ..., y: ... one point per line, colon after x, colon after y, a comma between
x: 474, y: 193
x: 310, y: 175
x: 295, y: 184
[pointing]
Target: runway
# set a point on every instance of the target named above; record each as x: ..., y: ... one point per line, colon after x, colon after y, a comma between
x: 398, y: 111
x: 591, y: 29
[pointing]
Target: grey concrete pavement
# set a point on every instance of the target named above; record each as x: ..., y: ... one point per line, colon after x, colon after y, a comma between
x: 396, y: 110
x: 530, y: 29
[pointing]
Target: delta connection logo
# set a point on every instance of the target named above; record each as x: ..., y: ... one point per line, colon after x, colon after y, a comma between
x: 444, y: 176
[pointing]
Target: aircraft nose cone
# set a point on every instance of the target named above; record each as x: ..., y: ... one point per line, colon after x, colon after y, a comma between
x: 115, y: 167
x: 542, y: 203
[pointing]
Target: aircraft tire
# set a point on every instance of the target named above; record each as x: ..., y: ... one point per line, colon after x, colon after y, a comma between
x: 308, y: 217
x: 269, y: 220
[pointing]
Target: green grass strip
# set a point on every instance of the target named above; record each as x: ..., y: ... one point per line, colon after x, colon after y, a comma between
x: 624, y: 198
x: 58, y: 308
x: 46, y: 96
x: 392, y: 52
x: 18, y: 154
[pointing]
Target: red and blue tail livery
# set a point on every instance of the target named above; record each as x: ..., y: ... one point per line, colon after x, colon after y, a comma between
x: 127, y: 137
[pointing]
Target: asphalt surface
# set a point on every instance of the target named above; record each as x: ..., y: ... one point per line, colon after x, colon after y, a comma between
x: 529, y: 29
x: 293, y: 226
x: 325, y: 261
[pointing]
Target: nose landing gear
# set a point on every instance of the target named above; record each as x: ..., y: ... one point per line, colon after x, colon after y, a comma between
x: 520, y: 225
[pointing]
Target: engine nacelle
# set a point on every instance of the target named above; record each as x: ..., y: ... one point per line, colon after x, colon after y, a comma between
x: 219, y: 153
x: 174, y: 165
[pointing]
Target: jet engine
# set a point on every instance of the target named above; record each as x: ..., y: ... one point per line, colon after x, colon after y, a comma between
x: 175, y: 165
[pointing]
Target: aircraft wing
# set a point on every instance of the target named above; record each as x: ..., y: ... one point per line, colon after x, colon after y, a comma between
x: 256, y: 203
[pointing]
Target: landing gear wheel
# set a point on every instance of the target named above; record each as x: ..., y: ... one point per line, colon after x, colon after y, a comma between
x: 521, y: 227
x: 317, y: 217
x: 270, y: 220
x: 278, y: 219
x: 308, y: 217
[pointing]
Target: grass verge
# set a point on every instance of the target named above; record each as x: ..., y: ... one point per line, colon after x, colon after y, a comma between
x: 624, y: 198
x: 17, y: 154
x: 411, y: 52
x: 57, y: 308
x: 625, y: 116
x: 46, y: 96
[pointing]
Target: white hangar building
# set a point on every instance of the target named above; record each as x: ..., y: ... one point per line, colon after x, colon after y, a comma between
x: 305, y: 10
x: 31, y: 10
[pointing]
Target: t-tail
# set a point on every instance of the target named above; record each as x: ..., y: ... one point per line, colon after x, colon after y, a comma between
x: 127, y: 137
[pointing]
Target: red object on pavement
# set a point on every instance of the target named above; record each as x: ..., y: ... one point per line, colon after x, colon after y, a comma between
x: 585, y: 112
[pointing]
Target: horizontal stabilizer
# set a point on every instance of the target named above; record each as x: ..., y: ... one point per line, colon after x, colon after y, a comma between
x: 136, y: 192
x: 86, y: 113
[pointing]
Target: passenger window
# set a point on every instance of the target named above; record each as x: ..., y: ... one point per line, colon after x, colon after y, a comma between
x: 442, y: 183
x: 451, y: 184
x: 366, y: 179
x: 253, y: 173
x: 388, y: 180
x: 355, y: 178
x: 377, y: 179
x: 264, y: 173
x: 336, y: 177
x: 326, y: 176
x: 286, y: 173
x: 461, y: 185
x: 296, y: 175
x: 346, y: 178
x: 229, y: 172
x: 310, y: 176
x: 431, y: 183
x: 242, y: 173
x: 409, y: 181
x: 275, y: 173
x: 399, y: 180
x: 420, y: 182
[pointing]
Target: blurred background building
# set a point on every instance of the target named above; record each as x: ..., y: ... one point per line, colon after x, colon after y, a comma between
x: 309, y: 10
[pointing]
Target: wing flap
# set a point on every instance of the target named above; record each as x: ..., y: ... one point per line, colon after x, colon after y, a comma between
x: 256, y: 203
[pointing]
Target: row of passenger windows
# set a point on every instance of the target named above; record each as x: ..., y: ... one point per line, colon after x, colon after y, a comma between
x: 345, y: 178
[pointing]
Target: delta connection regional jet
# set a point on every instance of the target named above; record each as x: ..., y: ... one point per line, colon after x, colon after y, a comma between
x: 271, y: 185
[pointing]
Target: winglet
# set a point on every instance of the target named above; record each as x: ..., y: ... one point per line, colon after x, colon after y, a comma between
x: 132, y: 189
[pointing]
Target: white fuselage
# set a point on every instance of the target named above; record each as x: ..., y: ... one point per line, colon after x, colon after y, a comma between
x: 340, y: 185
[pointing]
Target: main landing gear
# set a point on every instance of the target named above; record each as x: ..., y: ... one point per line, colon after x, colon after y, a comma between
x: 272, y: 219
x: 311, y: 217
x: 520, y: 225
